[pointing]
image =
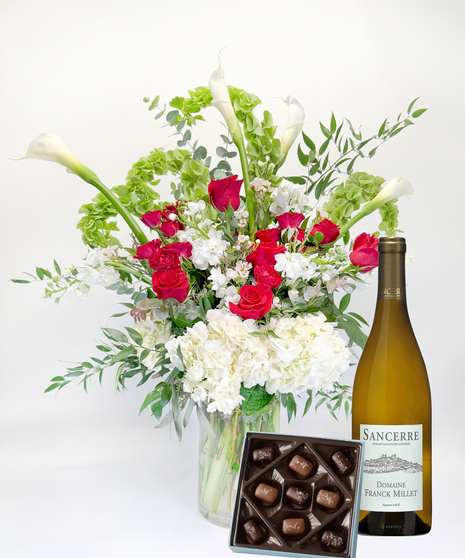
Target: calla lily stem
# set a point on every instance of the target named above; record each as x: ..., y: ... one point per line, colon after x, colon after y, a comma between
x: 250, y: 198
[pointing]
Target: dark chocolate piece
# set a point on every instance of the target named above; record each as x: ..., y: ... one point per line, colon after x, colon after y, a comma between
x: 266, y: 493
x: 255, y: 534
x: 328, y: 499
x: 333, y: 541
x: 301, y: 466
x: 297, y: 496
x: 293, y: 526
x: 262, y: 456
x: 342, y: 462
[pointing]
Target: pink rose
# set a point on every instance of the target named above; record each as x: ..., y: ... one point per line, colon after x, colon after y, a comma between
x: 225, y: 192
x: 266, y: 253
x: 329, y: 229
x: 171, y: 284
x: 290, y: 220
x: 268, y: 235
x: 256, y: 301
x: 267, y: 275
x: 365, y: 252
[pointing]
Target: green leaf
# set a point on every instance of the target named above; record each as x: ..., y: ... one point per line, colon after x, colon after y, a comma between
x: 358, y: 317
x: 200, y: 153
x: 168, y: 419
x: 325, y: 131
x: 296, y: 179
x: 52, y: 387
x: 172, y: 116
x: 118, y: 315
x: 188, y: 412
x: 118, y: 375
x: 57, y: 267
x: 410, y: 107
x: 40, y: 272
x: 23, y: 281
x: 382, y: 128
x: 255, y: 399
x: 331, y: 411
x: 352, y: 328
x: 57, y: 379
x: 418, y: 113
x: 221, y: 152
x: 345, y: 301
x: 333, y: 123
x: 135, y: 336
x: 324, y: 146
x: 308, y: 404
x: 302, y: 157
x: 203, y: 422
x: 308, y: 142
x: 347, y: 409
x: 176, y: 415
x: 115, y: 335
x: 154, y: 103
x: 151, y: 397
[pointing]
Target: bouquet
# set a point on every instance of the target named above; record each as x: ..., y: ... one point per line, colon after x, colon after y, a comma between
x: 239, y: 287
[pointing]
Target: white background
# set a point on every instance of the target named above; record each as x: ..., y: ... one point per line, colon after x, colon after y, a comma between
x: 83, y: 475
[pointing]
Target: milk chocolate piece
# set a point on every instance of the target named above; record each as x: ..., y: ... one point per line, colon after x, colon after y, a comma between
x: 255, y: 534
x: 262, y: 456
x: 297, y: 496
x: 342, y: 462
x: 293, y: 526
x: 301, y: 466
x: 333, y: 541
x: 328, y: 499
x: 266, y: 493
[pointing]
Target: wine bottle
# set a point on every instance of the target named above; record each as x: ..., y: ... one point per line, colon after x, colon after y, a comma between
x: 392, y: 411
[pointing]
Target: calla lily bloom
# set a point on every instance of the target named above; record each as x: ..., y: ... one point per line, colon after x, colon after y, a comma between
x: 222, y: 100
x: 294, y: 124
x: 50, y: 147
x: 391, y: 190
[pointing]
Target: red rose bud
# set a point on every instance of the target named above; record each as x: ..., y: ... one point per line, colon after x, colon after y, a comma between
x: 225, y: 192
x: 256, y: 301
x: 265, y: 253
x: 169, y: 228
x: 171, y: 284
x: 152, y: 218
x: 329, y: 230
x: 268, y: 235
x: 183, y: 249
x: 267, y: 275
x: 290, y: 220
x: 365, y: 252
x: 146, y: 251
x: 162, y: 261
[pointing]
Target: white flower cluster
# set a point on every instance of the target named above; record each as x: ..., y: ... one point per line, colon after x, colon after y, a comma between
x: 93, y: 271
x: 295, y: 266
x: 219, y: 356
x: 289, y: 197
x: 260, y: 185
x: 207, y: 249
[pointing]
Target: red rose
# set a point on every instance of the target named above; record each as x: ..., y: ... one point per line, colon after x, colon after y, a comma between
x: 169, y: 228
x: 265, y: 253
x: 146, y: 251
x: 300, y: 234
x: 152, y: 218
x: 183, y: 249
x: 290, y: 220
x: 267, y: 275
x: 224, y: 192
x: 162, y: 261
x: 329, y: 229
x: 269, y: 235
x: 171, y: 284
x: 256, y: 301
x: 365, y: 252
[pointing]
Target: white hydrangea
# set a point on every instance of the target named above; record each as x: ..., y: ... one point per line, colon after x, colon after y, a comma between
x: 207, y: 249
x: 289, y: 197
x: 195, y: 209
x: 220, y: 355
x: 93, y: 271
x: 217, y: 278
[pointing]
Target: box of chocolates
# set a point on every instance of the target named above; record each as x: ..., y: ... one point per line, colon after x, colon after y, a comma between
x: 297, y: 496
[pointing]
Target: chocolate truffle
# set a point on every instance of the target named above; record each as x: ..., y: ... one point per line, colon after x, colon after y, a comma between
x: 293, y: 526
x: 342, y: 463
x: 255, y: 534
x: 266, y: 493
x: 328, y: 499
x: 333, y: 541
x: 297, y: 496
x: 301, y: 466
x: 263, y: 456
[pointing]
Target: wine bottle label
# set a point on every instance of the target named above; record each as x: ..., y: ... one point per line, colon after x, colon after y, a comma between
x: 393, y: 467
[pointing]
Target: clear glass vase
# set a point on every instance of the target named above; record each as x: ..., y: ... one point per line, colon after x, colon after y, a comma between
x: 220, y: 458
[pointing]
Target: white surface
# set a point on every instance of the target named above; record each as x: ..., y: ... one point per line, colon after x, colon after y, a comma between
x: 84, y: 475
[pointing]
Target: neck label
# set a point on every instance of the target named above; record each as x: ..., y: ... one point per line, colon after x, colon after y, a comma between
x: 393, y: 467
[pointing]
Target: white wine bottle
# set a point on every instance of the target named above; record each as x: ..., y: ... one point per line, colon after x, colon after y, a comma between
x: 391, y: 411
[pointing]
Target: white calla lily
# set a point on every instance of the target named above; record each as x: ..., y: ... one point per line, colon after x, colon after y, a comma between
x: 391, y: 190
x: 222, y: 100
x: 295, y: 124
x: 50, y: 147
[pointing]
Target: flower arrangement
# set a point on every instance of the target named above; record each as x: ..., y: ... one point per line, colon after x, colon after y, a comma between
x: 240, y: 287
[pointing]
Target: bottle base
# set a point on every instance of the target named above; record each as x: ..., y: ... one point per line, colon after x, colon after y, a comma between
x: 399, y: 524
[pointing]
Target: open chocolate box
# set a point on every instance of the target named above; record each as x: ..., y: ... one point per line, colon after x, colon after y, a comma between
x: 297, y: 496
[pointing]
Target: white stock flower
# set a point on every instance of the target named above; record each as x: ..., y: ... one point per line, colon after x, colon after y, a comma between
x: 217, y: 278
x: 93, y: 271
x: 206, y: 250
x: 195, y: 209
x: 294, y: 266
x: 289, y: 197
x: 294, y: 124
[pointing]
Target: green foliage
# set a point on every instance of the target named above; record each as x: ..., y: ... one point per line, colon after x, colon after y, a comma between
x: 339, y: 398
x: 349, y: 145
x: 256, y: 400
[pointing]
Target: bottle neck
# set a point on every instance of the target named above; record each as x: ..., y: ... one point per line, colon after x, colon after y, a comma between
x: 391, y: 278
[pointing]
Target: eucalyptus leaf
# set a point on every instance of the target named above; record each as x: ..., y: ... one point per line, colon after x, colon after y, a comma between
x: 203, y: 421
